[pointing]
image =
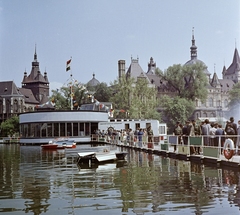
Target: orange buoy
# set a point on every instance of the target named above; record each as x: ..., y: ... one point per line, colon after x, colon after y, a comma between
x: 228, y: 149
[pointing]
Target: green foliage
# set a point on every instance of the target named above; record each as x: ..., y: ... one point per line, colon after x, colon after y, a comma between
x: 144, y: 101
x: 122, y: 89
x: 62, y: 97
x: 80, y: 95
x: 138, y: 100
x: 10, y: 126
x: 176, y: 109
x: 103, y: 92
x: 186, y: 84
x: 58, y: 97
x: 188, y: 81
x: 234, y: 96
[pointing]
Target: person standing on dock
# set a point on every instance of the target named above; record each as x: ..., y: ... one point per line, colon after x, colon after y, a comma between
x: 185, y: 132
x: 231, y: 129
x: 205, y: 131
x: 150, y: 137
x: 238, y: 139
x: 131, y: 134
x: 197, y: 132
x: 219, y: 135
x: 140, y: 137
x: 178, y: 132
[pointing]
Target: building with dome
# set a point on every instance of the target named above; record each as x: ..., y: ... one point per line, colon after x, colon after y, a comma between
x: 216, y: 105
x: 93, y: 82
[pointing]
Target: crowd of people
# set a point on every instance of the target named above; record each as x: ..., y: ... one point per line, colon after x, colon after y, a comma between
x: 139, y: 137
x: 213, y: 133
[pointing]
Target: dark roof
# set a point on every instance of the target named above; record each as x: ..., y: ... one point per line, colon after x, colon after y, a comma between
x: 195, y: 61
x: 135, y: 70
x: 35, y: 74
x: 226, y: 84
x: 28, y: 96
x: 44, y: 100
x: 8, y: 88
x: 235, y: 64
x: 93, y: 82
x: 215, y: 81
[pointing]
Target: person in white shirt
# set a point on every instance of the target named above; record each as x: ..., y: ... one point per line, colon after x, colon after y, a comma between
x: 238, y: 139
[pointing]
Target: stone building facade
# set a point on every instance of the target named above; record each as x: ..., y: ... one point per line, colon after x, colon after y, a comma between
x: 216, y: 105
x: 34, y: 92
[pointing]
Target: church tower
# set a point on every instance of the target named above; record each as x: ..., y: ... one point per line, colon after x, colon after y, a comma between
x: 36, y: 82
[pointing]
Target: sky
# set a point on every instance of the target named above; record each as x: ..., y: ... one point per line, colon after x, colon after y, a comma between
x: 97, y: 34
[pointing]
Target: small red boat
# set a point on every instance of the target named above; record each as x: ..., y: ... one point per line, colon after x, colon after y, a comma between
x: 60, y: 143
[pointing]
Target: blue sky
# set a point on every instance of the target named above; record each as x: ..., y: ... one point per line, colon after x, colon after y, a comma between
x: 96, y: 34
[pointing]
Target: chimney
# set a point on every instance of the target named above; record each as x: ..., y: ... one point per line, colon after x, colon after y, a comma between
x: 121, y: 68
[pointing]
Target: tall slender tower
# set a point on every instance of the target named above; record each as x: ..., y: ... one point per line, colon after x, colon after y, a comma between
x: 36, y: 81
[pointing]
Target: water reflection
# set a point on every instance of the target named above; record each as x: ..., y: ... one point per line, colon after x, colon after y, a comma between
x: 35, y: 181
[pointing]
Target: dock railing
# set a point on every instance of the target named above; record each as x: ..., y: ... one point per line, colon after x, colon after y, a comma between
x: 205, y: 148
x: 204, y: 145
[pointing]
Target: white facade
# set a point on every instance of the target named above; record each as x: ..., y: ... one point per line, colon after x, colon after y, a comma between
x: 41, y: 127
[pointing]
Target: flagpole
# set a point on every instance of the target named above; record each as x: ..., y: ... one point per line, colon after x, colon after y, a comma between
x: 71, y: 91
x: 68, y: 67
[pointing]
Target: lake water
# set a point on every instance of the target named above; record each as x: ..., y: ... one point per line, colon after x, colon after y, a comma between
x: 34, y: 181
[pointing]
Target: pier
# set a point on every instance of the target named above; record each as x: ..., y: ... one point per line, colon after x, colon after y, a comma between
x: 209, y: 154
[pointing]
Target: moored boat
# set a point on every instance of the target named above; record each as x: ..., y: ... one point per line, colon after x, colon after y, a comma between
x: 98, y: 157
x: 59, y: 143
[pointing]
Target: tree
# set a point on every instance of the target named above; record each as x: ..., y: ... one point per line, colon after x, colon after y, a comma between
x: 176, y: 109
x: 103, y: 92
x: 134, y: 100
x: 234, y: 96
x: 144, y: 101
x: 188, y: 81
x: 10, y: 126
x: 59, y: 99
x: 121, y: 90
x: 185, y: 84
x: 62, y: 97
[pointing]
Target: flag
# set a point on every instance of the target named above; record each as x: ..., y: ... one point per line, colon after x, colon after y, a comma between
x: 68, y: 65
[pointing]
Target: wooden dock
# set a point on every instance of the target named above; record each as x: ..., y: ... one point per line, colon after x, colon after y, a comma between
x: 208, y: 154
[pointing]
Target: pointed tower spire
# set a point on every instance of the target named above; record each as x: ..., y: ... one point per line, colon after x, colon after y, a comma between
x: 215, y: 80
x: 35, y: 53
x: 193, y: 47
x: 151, y: 67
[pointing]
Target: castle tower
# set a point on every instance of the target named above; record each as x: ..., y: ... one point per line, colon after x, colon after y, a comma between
x: 35, y: 81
